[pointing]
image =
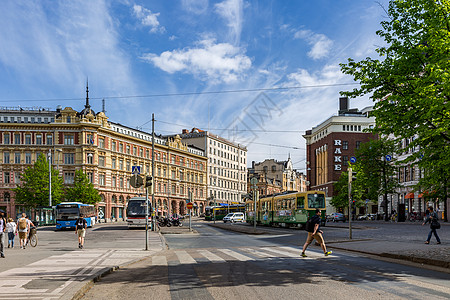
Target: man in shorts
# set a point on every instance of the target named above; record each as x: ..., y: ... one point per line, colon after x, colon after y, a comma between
x: 80, y: 230
x: 314, y: 232
x: 22, y: 229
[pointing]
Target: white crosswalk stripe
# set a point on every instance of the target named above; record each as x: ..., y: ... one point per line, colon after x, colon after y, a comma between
x: 236, y: 255
x: 185, y: 258
x: 211, y: 256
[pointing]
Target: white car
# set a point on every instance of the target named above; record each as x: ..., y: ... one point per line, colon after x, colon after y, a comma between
x: 234, y: 217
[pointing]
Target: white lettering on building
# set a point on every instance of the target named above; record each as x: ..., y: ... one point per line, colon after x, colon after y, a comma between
x: 337, y: 158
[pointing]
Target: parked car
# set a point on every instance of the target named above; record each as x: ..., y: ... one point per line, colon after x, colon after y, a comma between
x: 234, y: 217
x: 367, y: 217
x: 336, y: 217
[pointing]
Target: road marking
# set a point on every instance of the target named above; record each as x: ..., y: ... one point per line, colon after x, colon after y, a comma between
x: 185, y: 258
x: 211, y: 256
x: 235, y: 255
x: 257, y: 253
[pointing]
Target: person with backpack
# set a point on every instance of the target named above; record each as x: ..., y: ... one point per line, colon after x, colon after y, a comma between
x: 80, y: 230
x: 434, y: 224
x: 22, y: 229
x: 314, y: 232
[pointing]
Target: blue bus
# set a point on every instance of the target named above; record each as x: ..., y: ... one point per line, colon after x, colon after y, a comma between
x: 68, y: 212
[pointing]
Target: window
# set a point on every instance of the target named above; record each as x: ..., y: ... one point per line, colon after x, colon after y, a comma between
x: 6, y: 138
x: 90, y: 175
x: 174, y: 189
x: 128, y: 149
x: 128, y: 166
x: 6, y: 177
x: 68, y: 119
x: 17, y: 158
x: 147, y: 153
x: 101, y: 179
x: 113, y: 181
x: 16, y: 177
x: 345, y: 160
x: 141, y: 152
x: 134, y: 151
x: 69, y: 177
x: 101, y: 143
x: 68, y: 139
x: 113, y: 146
x: 121, y: 164
x: 38, y: 139
x: 69, y: 158
x: 113, y: 163
x: 173, y: 174
x: 173, y: 159
x: 27, y: 139
x: 121, y: 148
x: 181, y: 175
x: 345, y: 145
x: 101, y: 161
x: 90, y: 158
x: 49, y: 139
x: 28, y: 158
x: 358, y: 144
x: 17, y: 138
x: 121, y: 182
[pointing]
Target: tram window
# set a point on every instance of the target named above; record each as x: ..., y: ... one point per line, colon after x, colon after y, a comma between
x: 316, y: 201
x: 300, y: 202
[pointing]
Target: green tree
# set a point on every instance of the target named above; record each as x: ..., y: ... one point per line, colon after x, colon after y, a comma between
x: 376, y: 176
x: 410, y: 83
x: 33, y: 190
x: 82, y: 190
x: 340, y: 197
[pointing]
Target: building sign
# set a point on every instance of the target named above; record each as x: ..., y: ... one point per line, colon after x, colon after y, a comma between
x: 337, y: 155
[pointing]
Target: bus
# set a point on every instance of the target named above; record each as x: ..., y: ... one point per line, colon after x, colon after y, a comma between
x: 289, y: 209
x: 221, y: 211
x: 68, y: 212
x: 136, y: 211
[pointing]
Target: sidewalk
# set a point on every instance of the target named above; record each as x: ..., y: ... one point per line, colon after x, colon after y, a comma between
x: 432, y: 254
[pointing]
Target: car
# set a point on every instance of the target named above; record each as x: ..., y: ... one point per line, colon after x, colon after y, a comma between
x: 234, y: 217
x: 367, y: 217
x: 336, y: 217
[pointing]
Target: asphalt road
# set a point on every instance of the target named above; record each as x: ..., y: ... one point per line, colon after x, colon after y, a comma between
x: 218, y: 264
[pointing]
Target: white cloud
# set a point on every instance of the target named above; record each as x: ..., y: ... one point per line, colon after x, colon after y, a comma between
x: 195, y: 6
x: 321, y: 44
x: 232, y: 12
x: 148, y: 18
x: 210, y: 61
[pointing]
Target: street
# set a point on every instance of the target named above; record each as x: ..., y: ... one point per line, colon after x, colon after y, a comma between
x: 218, y: 264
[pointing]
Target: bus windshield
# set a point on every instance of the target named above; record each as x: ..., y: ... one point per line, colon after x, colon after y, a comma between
x: 136, y: 208
x: 316, y: 201
x: 67, y: 212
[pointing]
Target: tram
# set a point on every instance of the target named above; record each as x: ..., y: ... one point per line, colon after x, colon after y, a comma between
x: 289, y: 209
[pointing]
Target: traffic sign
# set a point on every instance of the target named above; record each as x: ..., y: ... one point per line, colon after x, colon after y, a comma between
x: 136, y: 169
x: 352, y: 159
x: 388, y: 157
x: 190, y: 205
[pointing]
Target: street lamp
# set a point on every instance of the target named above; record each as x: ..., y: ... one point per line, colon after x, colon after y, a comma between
x: 49, y: 177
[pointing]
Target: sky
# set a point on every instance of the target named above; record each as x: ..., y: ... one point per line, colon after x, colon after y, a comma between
x: 259, y: 73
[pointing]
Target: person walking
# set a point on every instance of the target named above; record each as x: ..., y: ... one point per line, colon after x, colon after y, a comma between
x: 80, y: 230
x: 2, y: 230
x: 314, y: 232
x: 11, y: 228
x: 22, y: 229
x: 434, y: 224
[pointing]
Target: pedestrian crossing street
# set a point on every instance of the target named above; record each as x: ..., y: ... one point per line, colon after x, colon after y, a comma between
x: 243, y: 254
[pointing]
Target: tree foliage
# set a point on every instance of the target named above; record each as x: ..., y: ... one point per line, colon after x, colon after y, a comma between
x: 410, y: 83
x: 33, y: 190
x: 340, y: 197
x: 82, y: 190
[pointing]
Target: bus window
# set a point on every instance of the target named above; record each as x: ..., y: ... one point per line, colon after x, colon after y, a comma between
x: 316, y: 201
x: 300, y: 202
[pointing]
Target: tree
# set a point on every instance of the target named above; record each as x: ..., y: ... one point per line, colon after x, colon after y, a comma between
x: 340, y: 197
x: 82, y: 190
x: 33, y: 190
x: 376, y: 175
x: 411, y: 84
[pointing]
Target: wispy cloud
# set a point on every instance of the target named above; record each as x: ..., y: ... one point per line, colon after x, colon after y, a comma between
x: 210, y: 61
x: 147, y: 18
x: 321, y: 44
x: 232, y: 12
x: 195, y: 6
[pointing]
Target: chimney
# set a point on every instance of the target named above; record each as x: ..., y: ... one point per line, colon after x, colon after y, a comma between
x: 343, y: 104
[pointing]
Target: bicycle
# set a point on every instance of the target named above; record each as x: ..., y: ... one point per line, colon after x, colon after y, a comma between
x: 32, y: 237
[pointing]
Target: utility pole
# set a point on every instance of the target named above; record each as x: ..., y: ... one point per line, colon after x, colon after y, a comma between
x: 153, y: 172
x: 350, y: 175
x: 50, y: 177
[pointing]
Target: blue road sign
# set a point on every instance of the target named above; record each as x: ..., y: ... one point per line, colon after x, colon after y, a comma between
x: 388, y: 157
x: 352, y: 159
x: 136, y: 169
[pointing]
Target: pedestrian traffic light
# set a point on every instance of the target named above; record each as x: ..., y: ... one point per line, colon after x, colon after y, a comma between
x: 250, y: 195
x: 148, y: 181
x: 353, y: 176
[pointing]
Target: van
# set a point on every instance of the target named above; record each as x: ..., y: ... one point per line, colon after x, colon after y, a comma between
x: 234, y: 217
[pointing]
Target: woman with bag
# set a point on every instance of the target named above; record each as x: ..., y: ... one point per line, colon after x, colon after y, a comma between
x: 434, y: 224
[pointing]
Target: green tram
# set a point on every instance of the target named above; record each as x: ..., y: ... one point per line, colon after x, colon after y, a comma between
x: 290, y: 209
x: 221, y: 211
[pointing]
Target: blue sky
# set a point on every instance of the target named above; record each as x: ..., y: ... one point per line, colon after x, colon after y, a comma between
x: 257, y: 72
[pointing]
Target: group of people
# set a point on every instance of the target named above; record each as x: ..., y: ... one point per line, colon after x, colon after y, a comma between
x: 21, y: 228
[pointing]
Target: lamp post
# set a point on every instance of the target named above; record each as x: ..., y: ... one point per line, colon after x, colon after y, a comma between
x: 49, y: 155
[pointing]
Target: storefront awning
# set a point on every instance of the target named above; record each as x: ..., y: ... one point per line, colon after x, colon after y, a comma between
x: 409, y: 196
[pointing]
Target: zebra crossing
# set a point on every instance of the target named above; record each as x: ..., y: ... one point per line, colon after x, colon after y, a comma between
x: 223, y: 255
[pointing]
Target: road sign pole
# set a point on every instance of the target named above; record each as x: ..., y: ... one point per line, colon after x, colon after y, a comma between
x: 146, y: 218
x: 350, y: 174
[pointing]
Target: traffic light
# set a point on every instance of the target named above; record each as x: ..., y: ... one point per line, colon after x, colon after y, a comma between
x: 148, y: 181
x: 353, y: 176
x: 250, y: 195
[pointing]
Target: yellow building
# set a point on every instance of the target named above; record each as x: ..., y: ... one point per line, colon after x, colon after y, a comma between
x: 106, y: 152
